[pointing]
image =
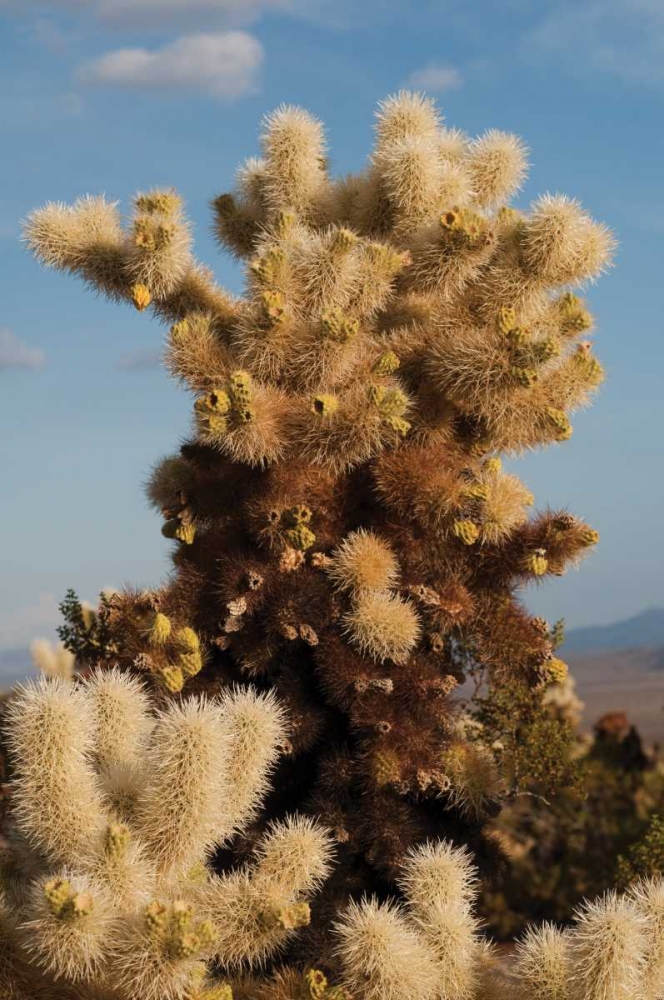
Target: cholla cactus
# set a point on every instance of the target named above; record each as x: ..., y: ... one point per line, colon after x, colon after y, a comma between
x: 343, y: 531
x: 115, y: 811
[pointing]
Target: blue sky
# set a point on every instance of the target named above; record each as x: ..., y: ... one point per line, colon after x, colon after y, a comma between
x: 117, y: 95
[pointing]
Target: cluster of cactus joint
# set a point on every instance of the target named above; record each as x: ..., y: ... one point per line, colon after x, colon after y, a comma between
x: 344, y: 534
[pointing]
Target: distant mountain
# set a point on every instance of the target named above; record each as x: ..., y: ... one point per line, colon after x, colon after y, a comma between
x: 644, y: 631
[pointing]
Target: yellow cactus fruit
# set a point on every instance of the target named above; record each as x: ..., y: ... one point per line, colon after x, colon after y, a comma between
x: 506, y: 319
x: 316, y: 984
x: 466, y: 531
x: 140, y: 296
x: 492, y: 466
x: 386, y: 768
x: 555, y: 671
x: 337, y: 326
x: 187, y: 640
x: 324, y: 405
x: 536, y: 562
x: 117, y: 840
x: 216, y: 401
x: 172, y: 678
x: 559, y: 421
x: 240, y: 387
x: 589, y: 536
x: 190, y: 663
x: 159, y: 629
x: 300, y: 537
x: 185, y: 532
x: 274, y: 306
x: 386, y: 364
x: 452, y: 219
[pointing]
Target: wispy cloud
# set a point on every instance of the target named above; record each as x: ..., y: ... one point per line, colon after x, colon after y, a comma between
x: 223, y: 65
x: 14, y: 353
x: 141, y: 359
x: 624, y: 38
x: 155, y: 15
x: 435, y: 77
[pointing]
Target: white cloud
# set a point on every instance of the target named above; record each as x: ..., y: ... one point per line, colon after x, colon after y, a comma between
x: 224, y: 65
x: 435, y: 78
x: 20, y: 626
x: 622, y: 37
x: 141, y: 359
x: 15, y: 354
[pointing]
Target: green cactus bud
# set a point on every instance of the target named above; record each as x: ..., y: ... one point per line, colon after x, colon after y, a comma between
x: 518, y: 337
x: 544, y: 350
x: 299, y: 514
x: 343, y: 241
x: 156, y: 917
x: 284, y: 222
x: 159, y: 629
x: 290, y: 917
x: 325, y: 405
x: 506, y: 320
x: 466, y: 531
x: 337, y: 326
x: 269, y: 265
x: 274, y: 306
x: 172, y: 678
x: 476, y: 491
x: 390, y: 402
x: 300, y: 537
x: 179, y: 332
x: 58, y: 893
x: 559, y: 422
x: 187, y: 640
x: 508, y: 215
x: 117, y: 840
x: 574, y: 317
x: 190, y: 663
x: 158, y: 203
x: 492, y: 466
x: 536, y: 562
x: 398, y: 424
x: 386, y: 364
x: 526, y: 377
